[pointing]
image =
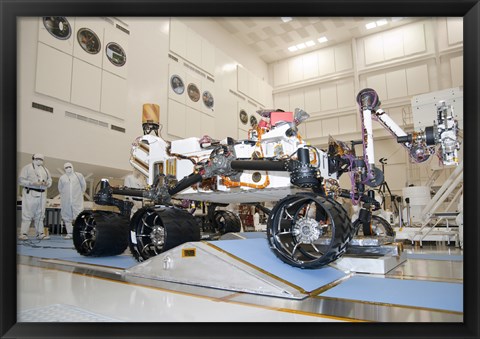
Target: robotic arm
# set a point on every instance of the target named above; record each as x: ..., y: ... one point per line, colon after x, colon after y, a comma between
x: 419, y: 144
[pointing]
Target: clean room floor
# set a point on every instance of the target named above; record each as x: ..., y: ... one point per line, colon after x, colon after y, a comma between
x: 55, y: 291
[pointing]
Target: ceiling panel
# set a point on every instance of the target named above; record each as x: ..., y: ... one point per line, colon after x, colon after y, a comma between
x: 270, y: 37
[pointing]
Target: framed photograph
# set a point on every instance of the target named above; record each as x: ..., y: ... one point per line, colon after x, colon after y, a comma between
x: 243, y: 116
x: 177, y: 85
x: 207, y: 98
x: 193, y: 92
x: 58, y: 26
x: 88, y: 40
x: 116, y: 54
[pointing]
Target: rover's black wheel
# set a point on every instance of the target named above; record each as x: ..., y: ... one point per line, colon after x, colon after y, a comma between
x: 226, y: 222
x: 100, y: 233
x: 378, y: 227
x: 308, y: 231
x: 154, y: 230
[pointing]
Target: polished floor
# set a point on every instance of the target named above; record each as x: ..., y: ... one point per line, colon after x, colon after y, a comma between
x: 57, y: 291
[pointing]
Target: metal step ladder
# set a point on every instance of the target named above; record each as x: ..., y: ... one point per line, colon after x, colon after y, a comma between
x: 431, y: 213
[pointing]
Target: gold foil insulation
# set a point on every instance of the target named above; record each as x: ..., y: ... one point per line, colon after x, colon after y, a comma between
x: 151, y: 114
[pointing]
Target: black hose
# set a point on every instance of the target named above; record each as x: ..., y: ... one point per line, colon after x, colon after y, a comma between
x: 259, y: 165
x: 185, y: 183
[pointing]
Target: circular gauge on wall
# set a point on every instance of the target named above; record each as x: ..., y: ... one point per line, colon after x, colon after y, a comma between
x: 88, y: 40
x: 243, y: 116
x: 58, y: 26
x: 193, y: 92
x: 116, y: 54
x: 253, y: 121
x: 207, y: 98
x: 177, y: 84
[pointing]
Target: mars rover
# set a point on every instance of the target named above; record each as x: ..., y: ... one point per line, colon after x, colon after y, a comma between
x: 306, y: 228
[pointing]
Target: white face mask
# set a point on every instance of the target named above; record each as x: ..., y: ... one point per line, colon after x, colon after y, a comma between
x: 38, y: 162
x: 69, y: 170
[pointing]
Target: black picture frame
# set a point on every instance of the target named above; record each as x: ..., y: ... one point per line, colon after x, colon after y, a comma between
x: 468, y: 9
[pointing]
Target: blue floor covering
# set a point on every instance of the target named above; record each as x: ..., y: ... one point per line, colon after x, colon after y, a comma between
x: 63, y: 249
x: 258, y: 253
x: 417, y: 293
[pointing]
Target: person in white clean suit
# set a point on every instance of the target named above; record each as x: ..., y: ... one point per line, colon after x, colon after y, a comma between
x: 35, y: 179
x: 71, y: 186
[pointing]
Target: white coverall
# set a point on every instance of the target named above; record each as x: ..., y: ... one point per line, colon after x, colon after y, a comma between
x: 134, y: 180
x: 35, y: 179
x: 71, y: 186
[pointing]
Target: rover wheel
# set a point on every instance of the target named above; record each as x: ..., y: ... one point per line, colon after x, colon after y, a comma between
x: 379, y: 227
x: 226, y: 221
x: 100, y: 233
x: 308, y: 231
x: 154, y: 230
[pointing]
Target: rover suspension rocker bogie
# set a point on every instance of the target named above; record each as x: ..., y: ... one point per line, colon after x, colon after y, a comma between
x: 306, y: 228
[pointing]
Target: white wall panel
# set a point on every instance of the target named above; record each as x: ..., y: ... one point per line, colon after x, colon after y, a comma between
x: 208, y: 57
x: 373, y: 47
x: 396, y: 84
x: 414, y: 39
x: 54, y: 72
x: 86, y: 84
x: 178, y: 37
x: 345, y: 94
x: 379, y: 84
x: 313, y: 129
x: 330, y: 126
x: 326, y: 61
x: 297, y: 100
x: 207, y: 125
x: 310, y: 65
x: 96, y: 25
x: 328, y: 97
x: 454, y: 30
x: 176, y: 119
x: 312, y: 99
x: 174, y: 69
x: 194, y: 48
x: 114, y: 95
x: 62, y: 45
x: 343, y: 57
x: 113, y: 34
x: 253, y: 84
x: 393, y: 44
x: 280, y: 73
x: 262, y: 92
x: 242, y: 80
x: 417, y: 80
x: 281, y: 101
x: 295, y: 69
x: 456, y: 70
x: 347, y: 124
x: 193, y: 123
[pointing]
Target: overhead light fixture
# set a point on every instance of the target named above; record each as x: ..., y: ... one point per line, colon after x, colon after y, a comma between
x: 286, y: 18
x: 292, y: 48
x: 382, y: 22
x: 310, y: 43
x: 301, y: 46
x: 371, y: 25
x: 398, y: 18
x: 322, y: 39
